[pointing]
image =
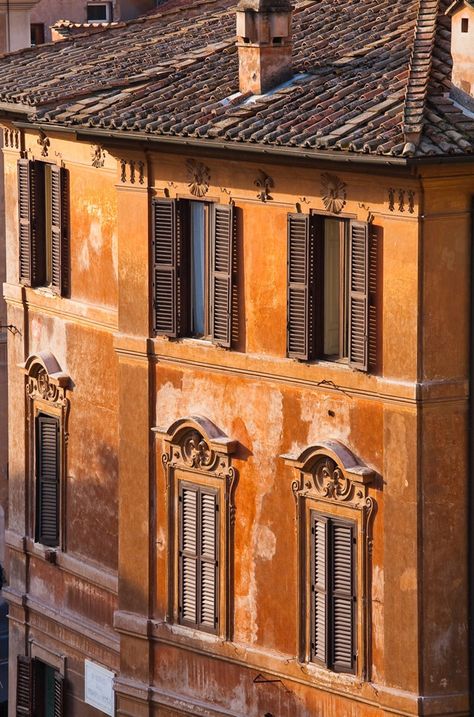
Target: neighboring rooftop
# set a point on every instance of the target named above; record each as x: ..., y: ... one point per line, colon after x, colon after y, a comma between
x: 371, y: 76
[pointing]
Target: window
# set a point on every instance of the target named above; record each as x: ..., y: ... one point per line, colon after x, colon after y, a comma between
x: 198, y: 532
x: 47, y: 450
x: 199, y: 483
x: 465, y: 24
x: 99, y: 12
x: 334, y: 518
x: 333, y: 598
x: 331, y: 289
x: 40, y: 689
x: 37, y: 33
x: 193, y: 273
x: 43, y: 225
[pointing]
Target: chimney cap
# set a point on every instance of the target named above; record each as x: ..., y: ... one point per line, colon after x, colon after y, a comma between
x: 265, y: 5
x: 455, y: 6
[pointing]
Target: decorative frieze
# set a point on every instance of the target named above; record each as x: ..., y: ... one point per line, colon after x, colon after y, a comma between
x: 44, y: 143
x: 199, y: 177
x: 401, y: 200
x: 98, y: 156
x: 333, y: 192
x: 132, y: 171
x: 11, y: 138
x: 264, y: 182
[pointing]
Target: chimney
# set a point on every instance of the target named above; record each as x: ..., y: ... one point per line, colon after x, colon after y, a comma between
x: 264, y: 44
x: 462, y: 50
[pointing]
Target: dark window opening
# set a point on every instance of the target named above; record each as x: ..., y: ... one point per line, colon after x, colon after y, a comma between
x: 40, y: 689
x: 37, y: 33
x: 465, y: 24
x: 99, y: 12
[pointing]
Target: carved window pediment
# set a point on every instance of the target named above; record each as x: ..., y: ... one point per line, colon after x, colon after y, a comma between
x: 45, y: 380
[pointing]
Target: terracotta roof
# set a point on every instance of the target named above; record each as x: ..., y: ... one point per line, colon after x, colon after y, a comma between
x: 371, y: 76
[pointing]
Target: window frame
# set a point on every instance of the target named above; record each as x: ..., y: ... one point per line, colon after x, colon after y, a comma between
x: 332, y: 482
x: 197, y: 454
x: 108, y: 11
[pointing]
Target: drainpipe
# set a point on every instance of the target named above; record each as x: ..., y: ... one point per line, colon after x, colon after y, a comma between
x: 470, y: 477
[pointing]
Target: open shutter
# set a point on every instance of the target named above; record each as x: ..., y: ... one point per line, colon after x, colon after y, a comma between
x: 47, y: 461
x: 375, y: 241
x: 165, y: 267
x: 208, y: 560
x: 343, y: 596
x: 59, y: 230
x: 188, y: 554
x: 298, y: 297
x: 222, y: 238
x: 24, y: 687
x: 358, y: 295
x: 319, y: 589
x: 31, y: 222
x: 58, y: 695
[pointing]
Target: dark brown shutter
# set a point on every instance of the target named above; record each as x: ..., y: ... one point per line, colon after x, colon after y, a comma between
x: 319, y: 589
x: 188, y: 555
x: 168, y: 286
x: 375, y: 242
x: 59, y: 230
x: 298, y: 298
x: 58, y: 695
x: 31, y: 222
x: 24, y: 687
x: 208, y: 559
x: 47, y: 457
x: 343, y: 596
x: 222, y: 243
x: 198, y: 598
x: 358, y: 295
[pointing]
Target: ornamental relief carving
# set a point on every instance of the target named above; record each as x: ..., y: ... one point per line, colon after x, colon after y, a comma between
x: 199, y: 177
x: 193, y: 451
x: 40, y: 387
x: 333, y: 192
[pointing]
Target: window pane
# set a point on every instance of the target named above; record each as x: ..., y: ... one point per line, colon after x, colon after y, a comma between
x: 332, y: 260
x: 96, y: 13
x: 198, y: 268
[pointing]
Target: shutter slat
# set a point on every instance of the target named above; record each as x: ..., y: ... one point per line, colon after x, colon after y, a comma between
x: 343, y: 596
x: 165, y: 280
x: 24, y: 685
x: 47, y: 457
x: 358, y: 295
x: 59, y: 230
x: 58, y: 695
x: 222, y: 245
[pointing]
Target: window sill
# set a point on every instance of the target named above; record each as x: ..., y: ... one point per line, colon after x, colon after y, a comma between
x: 42, y: 551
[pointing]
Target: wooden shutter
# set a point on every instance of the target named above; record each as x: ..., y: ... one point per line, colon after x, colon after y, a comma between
x: 358, y: 295
x: 374, y: 319
x: 343, y: 596
x: 59, y: 230
x: 222, y: 243
x: 319, y: 589
x: 31, y: 222
x: 47, y: 462
x: 166, y: 234
x: 298, y: 297
x: 24, y: 687
x: 198, y: 600
x: 58, y: 695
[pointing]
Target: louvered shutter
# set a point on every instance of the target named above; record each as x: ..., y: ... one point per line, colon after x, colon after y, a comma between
x: 222, y: 243
x: 373, y: 315
x: 358, y: 295
x: 208, y: 559
x: 165, y: 233
x: 298, y: 297
x: 59, y: 230
x: 319, y: 589
x: 188, y: 555
x: 343, y: 596
x: 47, y: 457
x: 31, y: 222
x: 24, y: 687
x: 58, y: 695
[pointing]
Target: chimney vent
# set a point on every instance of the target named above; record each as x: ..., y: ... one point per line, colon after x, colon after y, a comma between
x: 462, y: 50
x: 264, y: 44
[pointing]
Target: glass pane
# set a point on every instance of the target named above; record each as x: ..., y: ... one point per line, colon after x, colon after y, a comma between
x: 48, y: 691
x: 198, y: 268
x: 332, y: 261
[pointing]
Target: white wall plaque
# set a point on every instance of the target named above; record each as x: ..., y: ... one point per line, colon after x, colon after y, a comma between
x: 99, y: 687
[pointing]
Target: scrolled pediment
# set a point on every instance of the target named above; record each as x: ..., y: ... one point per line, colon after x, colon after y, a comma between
x: 45, y: 379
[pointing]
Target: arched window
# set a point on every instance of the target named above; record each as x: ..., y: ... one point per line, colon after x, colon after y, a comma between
x: 334, y: 510
x: 200, y: 483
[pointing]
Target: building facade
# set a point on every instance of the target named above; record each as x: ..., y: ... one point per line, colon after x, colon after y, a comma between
x: 239, y: 378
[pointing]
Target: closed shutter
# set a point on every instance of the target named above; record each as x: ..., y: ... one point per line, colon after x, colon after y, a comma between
x: 166, y: 233
x: 373, y: 317
x: 298, y: 296
x: 24, y: 687
x: 319, y: 589
x: 31, y: 223
x: 47, y: 462
x: 343, y: 596
x: 59, y: 231
x: 358, y: 295
x: 198, y: 601
x: 222, y: 243
x: 58, y: 695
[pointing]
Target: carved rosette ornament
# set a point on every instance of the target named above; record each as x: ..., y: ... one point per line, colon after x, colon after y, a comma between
x: 199, y: 177
x: 45, y: 381
x: 333, y: 191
